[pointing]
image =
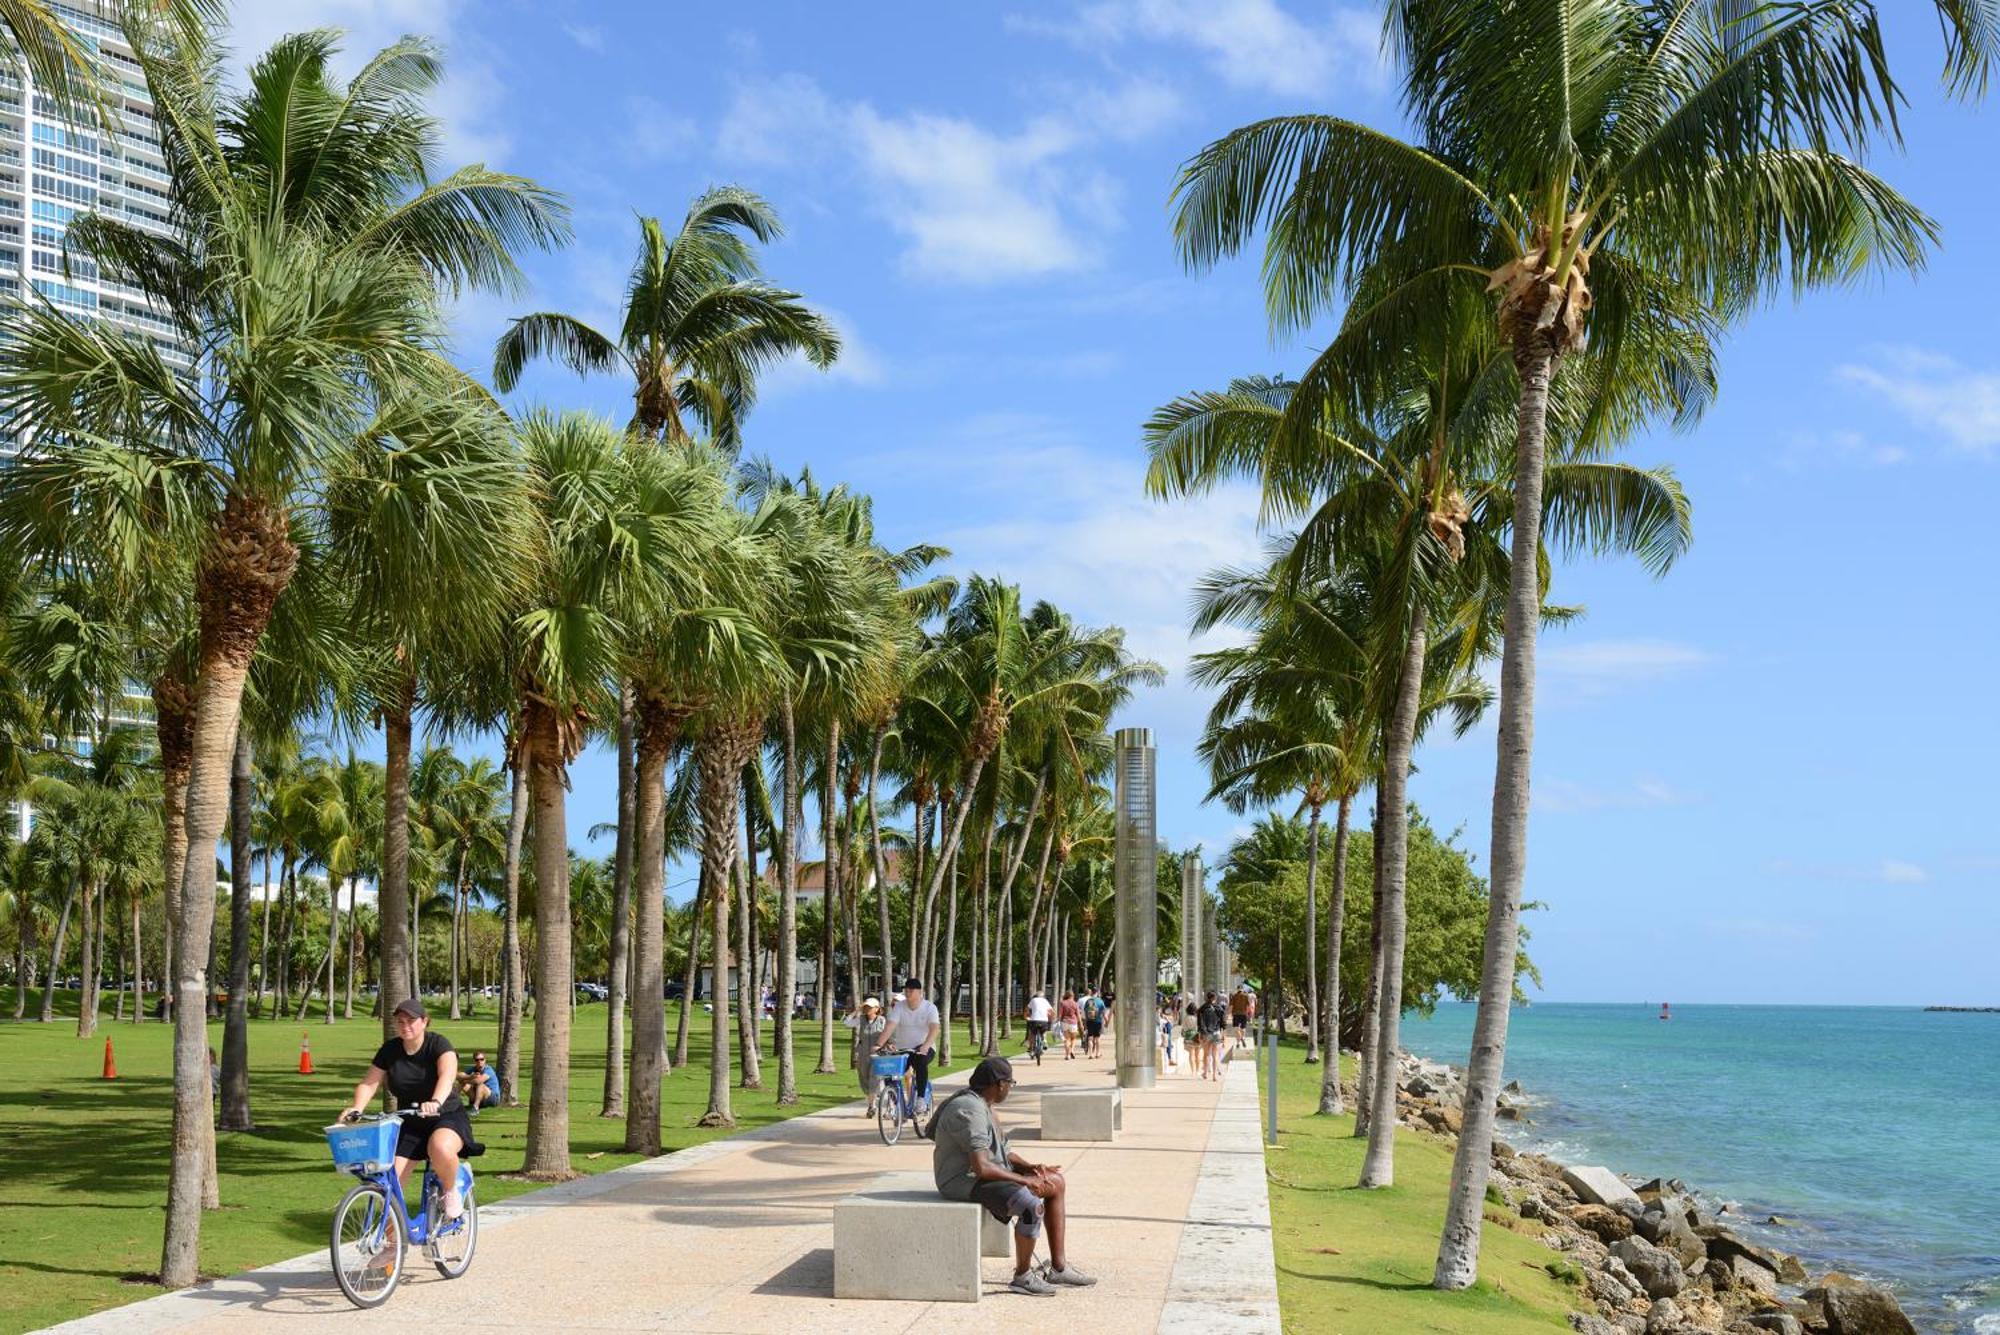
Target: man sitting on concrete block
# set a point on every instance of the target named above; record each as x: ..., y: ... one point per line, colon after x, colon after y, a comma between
x: 971, y: 1162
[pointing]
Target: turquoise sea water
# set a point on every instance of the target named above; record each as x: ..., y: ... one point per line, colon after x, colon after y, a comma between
x: 1877, y: 1129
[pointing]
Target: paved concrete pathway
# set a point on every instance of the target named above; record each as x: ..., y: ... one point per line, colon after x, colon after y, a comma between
x: 737, y: 1236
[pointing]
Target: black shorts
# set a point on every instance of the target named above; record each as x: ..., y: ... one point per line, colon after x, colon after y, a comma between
x: 1037, y: 1027
x: 1093, y: 1029
x: 1240, y: 1021
x: 414, y: 1139
x: 1012, y: 1203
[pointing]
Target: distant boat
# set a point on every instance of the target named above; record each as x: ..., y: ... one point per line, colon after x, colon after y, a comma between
x: 1666, y: 1012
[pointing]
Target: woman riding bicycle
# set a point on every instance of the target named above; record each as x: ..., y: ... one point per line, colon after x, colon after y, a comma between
x: 421, y: 1069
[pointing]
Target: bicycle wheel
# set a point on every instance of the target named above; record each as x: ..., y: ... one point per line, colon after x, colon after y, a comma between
x: 367, y: 1245
x: 889, y: 1114
x: 452, y: 1242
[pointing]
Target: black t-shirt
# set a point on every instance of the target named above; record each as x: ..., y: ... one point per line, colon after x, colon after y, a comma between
x: 413, y: 1076
x: 1209, y: 1018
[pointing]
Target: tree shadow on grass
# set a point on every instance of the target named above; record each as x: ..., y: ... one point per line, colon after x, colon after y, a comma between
x: 1362, y: 1281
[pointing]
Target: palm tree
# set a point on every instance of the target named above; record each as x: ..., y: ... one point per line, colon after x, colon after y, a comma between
x: 305, y: 271
x: 699, y: 324
x: 608, y: 536
x: 1630, y: 159
x: 350, y: 810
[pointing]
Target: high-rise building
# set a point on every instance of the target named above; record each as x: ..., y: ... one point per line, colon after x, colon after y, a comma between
x: 52, y: 169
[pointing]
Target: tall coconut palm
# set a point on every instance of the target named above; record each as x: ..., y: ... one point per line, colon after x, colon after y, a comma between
x: 610, y: 534
x: 699, y: 324
x: 310, y: 244
x: 1589, y: 164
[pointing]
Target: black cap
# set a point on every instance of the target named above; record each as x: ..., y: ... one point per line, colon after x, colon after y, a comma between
x: 413, y: 1008
x: 909, y: 983
x: 991, y: 1072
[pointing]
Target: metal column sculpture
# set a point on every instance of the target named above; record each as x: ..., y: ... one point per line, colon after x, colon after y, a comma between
x: 1135, y: 870
x: 1193, y: 896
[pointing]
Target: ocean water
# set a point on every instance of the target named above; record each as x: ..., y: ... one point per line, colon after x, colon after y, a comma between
x: 1876, y: 1129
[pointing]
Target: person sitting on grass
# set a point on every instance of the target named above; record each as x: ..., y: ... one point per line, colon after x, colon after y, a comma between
x: 971, y: 1162
x: 479, y: 1084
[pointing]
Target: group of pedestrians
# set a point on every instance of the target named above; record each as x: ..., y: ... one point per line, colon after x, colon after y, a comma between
x: 1209, y: 1026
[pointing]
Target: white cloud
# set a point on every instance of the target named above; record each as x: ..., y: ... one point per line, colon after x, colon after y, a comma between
x: 1935, y: 394
x: 657, y: 132
x: 1254, y: 44
x: 586, y: 35
x: 1564, y: 796
x: 1595, y: 667
x: 974, y: 204
x: 1810, y: 449
x: 1881, y: 871
x: 469, y: 101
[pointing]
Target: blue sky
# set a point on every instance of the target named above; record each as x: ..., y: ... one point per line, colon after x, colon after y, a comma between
x: 1767, y: 777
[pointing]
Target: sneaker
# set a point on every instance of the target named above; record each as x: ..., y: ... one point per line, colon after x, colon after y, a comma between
x: 1031, y: 1283
x: 454, y: 1204
x: 1071, y: 1276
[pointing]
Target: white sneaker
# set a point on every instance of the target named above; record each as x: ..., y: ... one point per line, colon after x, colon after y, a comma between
x: 454, y: 1204
x: 1071, y: 1276
x: 1030, y: 1282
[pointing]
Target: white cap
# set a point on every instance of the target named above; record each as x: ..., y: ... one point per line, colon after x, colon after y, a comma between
x: 870, y: 1001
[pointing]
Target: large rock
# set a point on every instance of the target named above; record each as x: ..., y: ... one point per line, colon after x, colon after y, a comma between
x: 1668, y: 1230
x: 1598, y: 1186
x: 1778, y: 1323
x: 1860, y: 1309
x: 1445, y: 1121
x: 1658, y: 1272
x: 1664, y: 1318
x: 1589, y: 1323
x: 1740, y: 1272
x: 1602, y: 1221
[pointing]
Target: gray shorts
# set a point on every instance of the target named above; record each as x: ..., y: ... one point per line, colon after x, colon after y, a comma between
x: 1006, y: 1200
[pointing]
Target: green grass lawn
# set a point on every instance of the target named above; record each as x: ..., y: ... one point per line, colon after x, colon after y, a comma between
x: 1360, y: 1261
x: 83, y: 1160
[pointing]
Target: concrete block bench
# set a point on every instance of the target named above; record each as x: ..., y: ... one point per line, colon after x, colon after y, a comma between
x: 1082, y: 1114
x: 897, y: 1238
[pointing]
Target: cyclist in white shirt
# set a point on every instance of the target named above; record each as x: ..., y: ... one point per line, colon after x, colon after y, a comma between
x: 913, y: 1027
x: 1040, y: 1012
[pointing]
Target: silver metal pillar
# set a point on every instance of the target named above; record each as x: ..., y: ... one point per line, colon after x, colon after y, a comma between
x: 1136, y: 870
x: 1193, y: 902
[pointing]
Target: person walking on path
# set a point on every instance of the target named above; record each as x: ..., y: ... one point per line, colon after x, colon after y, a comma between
x: 1093, y: 1024
x: 421, y: 1070
x: 1240, y: 1008
x: 1208, y: 1024
x: 913, y: 1027
x: 867, y: 1024
x: 1069, y: 1023
x: 971, y: 1161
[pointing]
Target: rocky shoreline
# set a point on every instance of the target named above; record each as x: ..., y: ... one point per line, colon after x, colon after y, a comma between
x: 1646, y: 1258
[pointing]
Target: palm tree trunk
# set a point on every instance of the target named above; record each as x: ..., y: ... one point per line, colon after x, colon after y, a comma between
x: 1007, y: 961
x: 353, y: 944
x: 288, y: 911
x: 173, y: 727
x: 86, y: 1010
x: 547, y: 758
x: 1458, y: 1248
x: 124, y: 974
x: 875, y: 859
x: 788, y: 907
x: 1312, y: 939
x: 1037, y: 951
x: 653, y: 735
x: 24, y: 940
x: 264, y: 948
x: 690, y: 971
x: 1336, y: 914
x: 457, y: 909
x: 333, y: 883
x: 510, y: 934
x: 56, y: 954
x: 248, y: 560
x: 138, y: 960
x: 1371, y: 1012
x: 948, y: 866
x: 719, y: 756
x: 1378, y: 1168
x: 235, y: 1115
x: 621, y: 914
x: 396, y: 944
x: 830, y: 897
x: 747, y: 982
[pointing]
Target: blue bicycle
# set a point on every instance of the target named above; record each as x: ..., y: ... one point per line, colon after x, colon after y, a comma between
x: 372, y: 1226
x: 894, y: 1103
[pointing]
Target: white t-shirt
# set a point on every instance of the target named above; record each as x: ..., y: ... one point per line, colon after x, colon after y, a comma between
x: 1039, y: 1009
x: 909, y: 1028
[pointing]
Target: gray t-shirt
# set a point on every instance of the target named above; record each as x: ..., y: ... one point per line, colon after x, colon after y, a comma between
x: 964, y: 1125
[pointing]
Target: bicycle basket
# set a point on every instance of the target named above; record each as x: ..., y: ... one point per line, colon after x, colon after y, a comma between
x: 365, y: 1147
x: 891, y: 1065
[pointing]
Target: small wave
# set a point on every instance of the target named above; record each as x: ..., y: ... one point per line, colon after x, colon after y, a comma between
x: 1987, y: 1325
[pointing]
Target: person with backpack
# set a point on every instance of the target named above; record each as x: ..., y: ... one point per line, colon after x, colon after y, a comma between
x: 1093, y: 1024
x: 1208, y: 1025
x: 971, y: 1161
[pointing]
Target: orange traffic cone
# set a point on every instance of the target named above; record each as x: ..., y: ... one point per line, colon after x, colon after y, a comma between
x: 305, y: 1054
x: 110, y: 1066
